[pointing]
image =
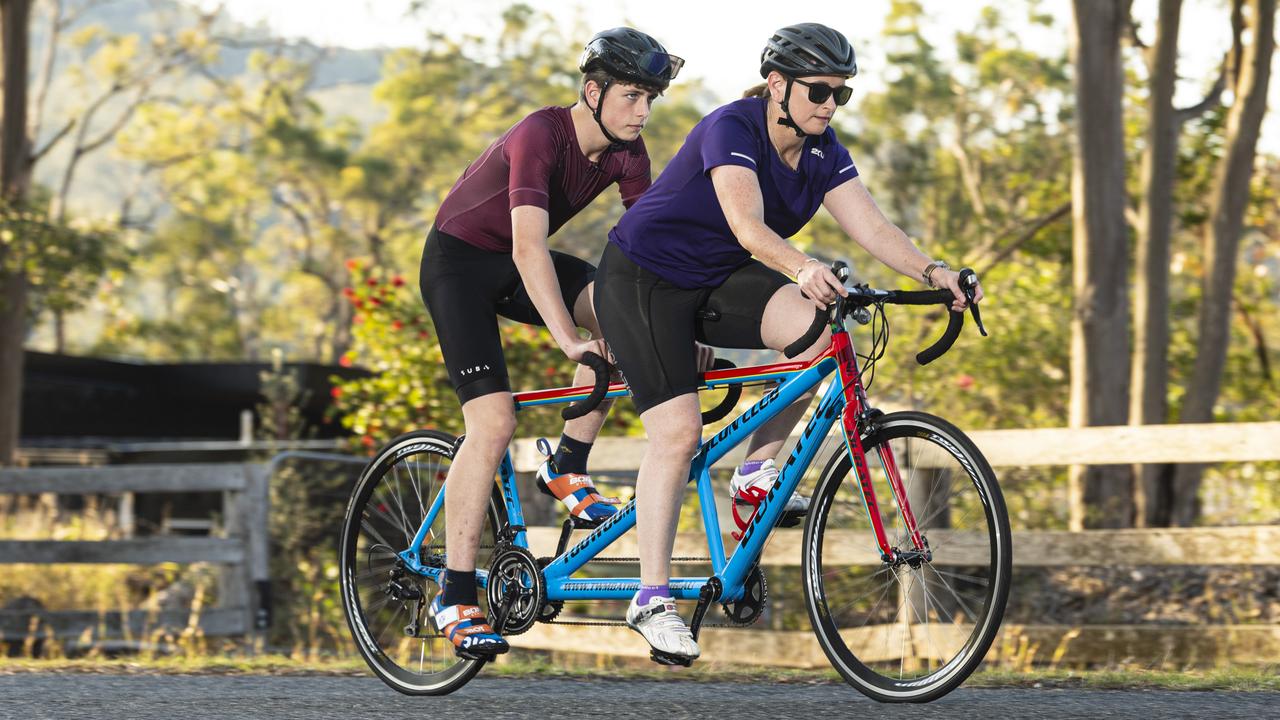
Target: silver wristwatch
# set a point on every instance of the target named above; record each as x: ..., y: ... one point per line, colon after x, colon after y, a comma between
x: 928, y: 271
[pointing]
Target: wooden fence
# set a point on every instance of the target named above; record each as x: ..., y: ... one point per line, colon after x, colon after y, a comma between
x: 242, y: 550
x: 1089, y: 644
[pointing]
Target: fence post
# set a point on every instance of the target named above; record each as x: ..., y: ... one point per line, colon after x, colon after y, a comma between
x: 234, y: 587
x: 257, y: 494
x: 128, y: 519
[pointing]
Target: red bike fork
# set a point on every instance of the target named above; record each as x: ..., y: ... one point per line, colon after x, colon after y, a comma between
x: 855, y: 401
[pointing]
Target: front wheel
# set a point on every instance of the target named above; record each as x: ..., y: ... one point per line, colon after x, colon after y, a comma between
x: 384, y: 602
x: 910, y: 630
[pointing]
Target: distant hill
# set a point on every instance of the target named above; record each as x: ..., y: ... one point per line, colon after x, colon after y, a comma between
x: 343, y: 82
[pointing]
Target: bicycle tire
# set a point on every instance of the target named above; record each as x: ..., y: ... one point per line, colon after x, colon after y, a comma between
x: 940, y: 637
x: 372, y: 615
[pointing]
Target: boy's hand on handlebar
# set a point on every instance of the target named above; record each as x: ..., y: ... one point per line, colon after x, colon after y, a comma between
x: 575, y: 350
x: 950, y: 280
x: 706, y: 356
x: 819, y: 284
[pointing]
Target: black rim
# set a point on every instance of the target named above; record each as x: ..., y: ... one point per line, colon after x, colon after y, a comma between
x: 913, y: 632
x: 388, y: 506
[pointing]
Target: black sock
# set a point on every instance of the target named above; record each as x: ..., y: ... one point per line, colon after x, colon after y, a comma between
x: 571, y: 456
x: 459, y: 588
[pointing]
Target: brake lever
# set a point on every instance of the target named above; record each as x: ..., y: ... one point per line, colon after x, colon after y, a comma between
x: 968, y: 286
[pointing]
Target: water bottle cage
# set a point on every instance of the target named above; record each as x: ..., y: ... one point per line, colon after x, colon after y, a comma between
x: 752, y: 496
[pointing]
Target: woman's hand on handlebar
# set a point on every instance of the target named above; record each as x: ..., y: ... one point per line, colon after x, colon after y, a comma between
x: 950, y: 280
x: 820, y: 284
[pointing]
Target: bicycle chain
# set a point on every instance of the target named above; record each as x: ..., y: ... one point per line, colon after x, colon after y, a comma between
x: 636, y: 561
x: 620, y: 623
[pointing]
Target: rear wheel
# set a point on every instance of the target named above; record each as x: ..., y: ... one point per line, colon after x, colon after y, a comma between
x: 914, y: 629
x: 385, y: 603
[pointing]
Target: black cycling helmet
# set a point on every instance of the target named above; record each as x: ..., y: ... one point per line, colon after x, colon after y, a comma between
x: 804, y: 50
x: 808, y: 49
x: 631, y: 55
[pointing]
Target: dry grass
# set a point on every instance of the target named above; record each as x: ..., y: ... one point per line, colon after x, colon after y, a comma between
x: 107, y: 590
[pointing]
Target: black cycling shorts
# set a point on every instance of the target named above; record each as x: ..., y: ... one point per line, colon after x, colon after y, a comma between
x: 466, y: 288
x: 651, y: 324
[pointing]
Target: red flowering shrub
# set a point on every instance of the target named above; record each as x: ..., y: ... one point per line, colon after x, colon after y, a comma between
x: 394, y: 338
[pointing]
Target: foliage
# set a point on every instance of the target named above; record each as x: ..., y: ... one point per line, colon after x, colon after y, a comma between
x: 270, y: 195
x: 969, y: 156
x: 394, y: 338
x: 62, y: 261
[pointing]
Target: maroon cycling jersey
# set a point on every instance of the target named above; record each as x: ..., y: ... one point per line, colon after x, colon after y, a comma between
x: 537, y: 162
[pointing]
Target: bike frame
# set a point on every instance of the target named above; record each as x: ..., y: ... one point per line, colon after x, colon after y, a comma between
x: 844, y: 399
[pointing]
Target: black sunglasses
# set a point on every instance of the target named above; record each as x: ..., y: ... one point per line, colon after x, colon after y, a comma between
x: 819, y: 92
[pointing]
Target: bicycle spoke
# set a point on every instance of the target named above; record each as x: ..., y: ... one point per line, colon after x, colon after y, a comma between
x: 941, y: 656
x: 376, y: 574
x: 380, y: 602
x: 382, y: 510
x: 965, y: 606
x: 885, y: 588
x: 400, y: 610
x: 897, y: 632
x: 984, y: 582
x: 393, y: 500
x: 902, y: 651
x: 417, y: 490
x: 368, y: 527
x: 408, y: 536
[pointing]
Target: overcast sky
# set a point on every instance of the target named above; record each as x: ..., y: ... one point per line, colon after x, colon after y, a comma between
x: 721, y: 41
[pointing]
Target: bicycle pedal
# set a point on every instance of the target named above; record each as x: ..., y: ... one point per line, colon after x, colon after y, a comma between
x: 792, y: 518
x: 665, y: 658
x: 585, y: 524
x: 473, y: 655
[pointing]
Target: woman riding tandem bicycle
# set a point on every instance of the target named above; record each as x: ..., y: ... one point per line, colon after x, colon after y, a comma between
x: 709, y: 237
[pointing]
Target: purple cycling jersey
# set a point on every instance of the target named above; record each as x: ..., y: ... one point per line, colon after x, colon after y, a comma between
x: 678, y: 231
x: 537, y: 162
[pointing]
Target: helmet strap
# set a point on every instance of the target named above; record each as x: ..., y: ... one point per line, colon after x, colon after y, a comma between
x: 786, y: 120
x: 614, y: 143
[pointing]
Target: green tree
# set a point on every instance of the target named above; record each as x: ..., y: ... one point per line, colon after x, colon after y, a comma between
x: 57, y: 276
x: 1229, y: 201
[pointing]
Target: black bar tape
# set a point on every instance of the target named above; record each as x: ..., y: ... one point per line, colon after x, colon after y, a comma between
x: 810, y: 337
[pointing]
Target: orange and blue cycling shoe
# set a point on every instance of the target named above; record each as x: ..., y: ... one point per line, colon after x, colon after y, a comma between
x: 467, y: 628
x: 577, y: 493
x: 574, y: 490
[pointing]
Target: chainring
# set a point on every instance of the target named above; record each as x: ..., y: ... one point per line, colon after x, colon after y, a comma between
x: 514, y: 571
x: 750, y: 607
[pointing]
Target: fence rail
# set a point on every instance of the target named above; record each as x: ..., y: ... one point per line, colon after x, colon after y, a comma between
x: 1177, y: 646
x: 243, y: 551
x: 1111, y: 445
x: 1169, y: 547
x: 1245, y: 545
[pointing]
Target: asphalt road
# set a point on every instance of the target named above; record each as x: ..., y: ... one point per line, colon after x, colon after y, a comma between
x: 101, y: 697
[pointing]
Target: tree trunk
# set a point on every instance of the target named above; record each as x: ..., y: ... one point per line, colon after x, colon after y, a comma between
x: 1226, y: 221
x: 15, y: 180
x: 1102, y: 496
x: 1150, y: 381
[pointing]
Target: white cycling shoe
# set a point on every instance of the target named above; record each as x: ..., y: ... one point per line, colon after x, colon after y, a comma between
x: 751, y: 488
x: 669, y: 638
